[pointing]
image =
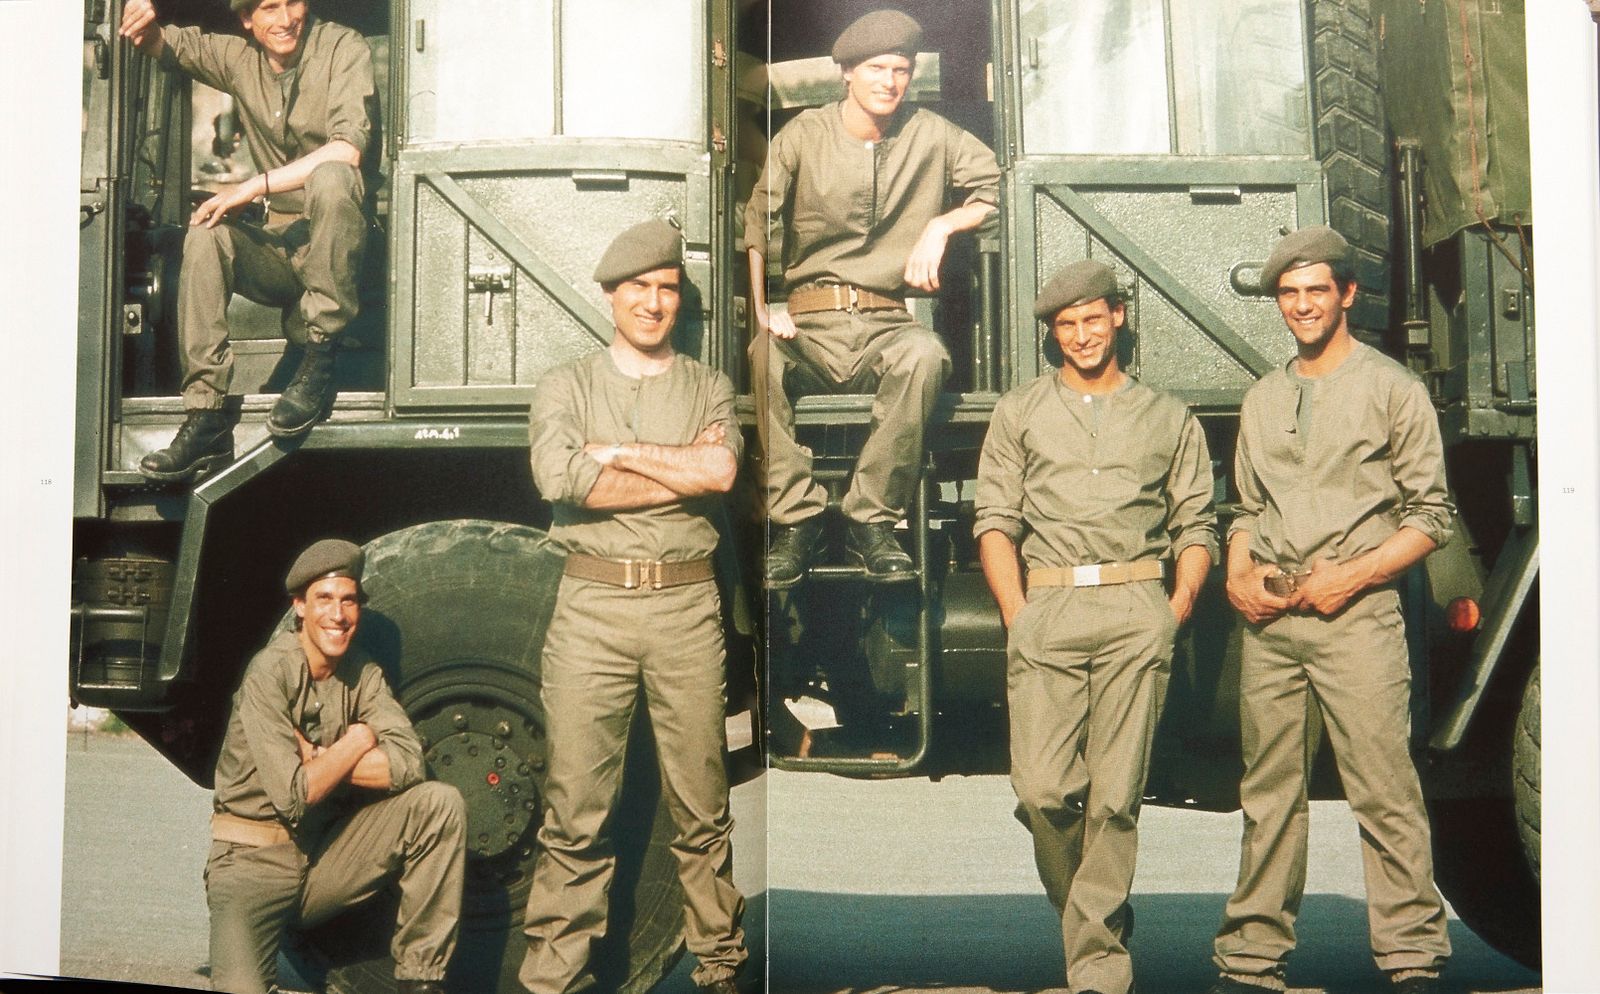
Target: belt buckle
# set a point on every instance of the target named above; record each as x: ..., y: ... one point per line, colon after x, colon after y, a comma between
x: 1086, y: 576
x: 640, y: 574
x: 854, y: 297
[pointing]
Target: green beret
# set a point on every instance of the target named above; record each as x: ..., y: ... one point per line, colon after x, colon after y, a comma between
x: 1076, y: 283
x: 882, y: 32
x: 243, y: 6
x: 329, y: 557
x: 644, y: 247
x: 1306, y: 247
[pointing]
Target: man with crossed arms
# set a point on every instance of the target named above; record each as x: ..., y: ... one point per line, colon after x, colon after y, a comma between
x: 634, y: 447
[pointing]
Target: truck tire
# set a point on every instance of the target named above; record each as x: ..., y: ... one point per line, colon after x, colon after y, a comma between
x: 457, y: 612
x: 1486, y: 850
x: 1525, y: 771
x: 1352, y: 141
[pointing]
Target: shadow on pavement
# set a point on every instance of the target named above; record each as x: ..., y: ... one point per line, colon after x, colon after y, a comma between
x: 844, y: 943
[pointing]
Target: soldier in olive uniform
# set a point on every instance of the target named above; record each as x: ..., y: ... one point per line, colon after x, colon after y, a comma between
x: 1340, y: 471
x: 1100, y: 480
x: 305, y: 95
x: 320, y: 799
x: 859, y: 188
x: 634, y: 446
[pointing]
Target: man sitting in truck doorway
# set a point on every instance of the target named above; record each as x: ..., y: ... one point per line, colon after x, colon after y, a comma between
x: 1102, y: 482
x: 860, y: 187
x: 320, y: 798
x: 305, y: 94
x: 1340, y: 471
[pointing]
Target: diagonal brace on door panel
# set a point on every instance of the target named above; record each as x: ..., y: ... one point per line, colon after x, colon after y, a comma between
x: 1211, y: 324
x: 593, y: 320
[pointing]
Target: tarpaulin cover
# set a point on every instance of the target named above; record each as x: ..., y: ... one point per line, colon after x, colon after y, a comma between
x: 1455, y: 78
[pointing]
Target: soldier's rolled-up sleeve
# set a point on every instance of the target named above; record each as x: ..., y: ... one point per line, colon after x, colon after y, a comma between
x: 1191, y: 502
x: 200, y: 54
x: 764, y: 210
x: 1000, y: 476
x: 562, y: 471
x: 973, y: 168
x: 1252, y: 498
x: 352, y: 91
x: 264, y: 703
x: 1417, y: 461
x: 722, y: 412
x: 378, y: 710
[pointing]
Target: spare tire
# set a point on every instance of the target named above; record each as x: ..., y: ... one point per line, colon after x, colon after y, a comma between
x: 1352, y: 141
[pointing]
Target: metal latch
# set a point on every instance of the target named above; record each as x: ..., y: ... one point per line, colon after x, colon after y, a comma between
x: 489, y: 280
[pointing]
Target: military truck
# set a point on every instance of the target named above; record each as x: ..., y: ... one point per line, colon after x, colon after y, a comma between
x: 1174, y: 142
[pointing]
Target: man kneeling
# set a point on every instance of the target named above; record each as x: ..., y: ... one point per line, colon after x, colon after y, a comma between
x: 320, y: 798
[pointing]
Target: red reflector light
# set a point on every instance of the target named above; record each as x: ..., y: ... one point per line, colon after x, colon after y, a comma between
x: 494, y: 779
x: 1462, y: 615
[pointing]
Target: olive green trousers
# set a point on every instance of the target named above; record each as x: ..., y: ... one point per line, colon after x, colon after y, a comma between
x: 605, y: 644
x: 1086, y: 677
x: 315, y: 259
x: 255, y: 892
x: 882, y: 352
x: 1351, y: 673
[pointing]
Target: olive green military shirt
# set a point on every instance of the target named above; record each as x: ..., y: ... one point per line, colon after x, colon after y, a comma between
x: 259, y: 774
x: 1077, y: 479
x: 1331, y: 467
x: 589, y: 400
x: 851, y: 211
x: 330, y: 94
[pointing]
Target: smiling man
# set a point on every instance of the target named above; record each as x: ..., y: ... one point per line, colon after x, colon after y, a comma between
x: 1105, y: 484
x: 320, y: 799
x: 634, y: 447
x: 305, y: 95
x: 859, y: 188
x: 1340, y: 470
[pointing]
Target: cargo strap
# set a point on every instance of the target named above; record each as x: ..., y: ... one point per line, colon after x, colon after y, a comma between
x: 247, y: 831
x: 639, y: 574
x: 840, y: 297
x: 1096, y: 575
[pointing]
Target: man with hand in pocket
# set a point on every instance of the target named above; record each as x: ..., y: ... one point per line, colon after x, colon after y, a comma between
x: 1104, y: 486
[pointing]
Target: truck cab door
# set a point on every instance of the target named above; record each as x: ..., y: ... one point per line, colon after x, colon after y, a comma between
x: 1175, y: 143
x: 530, y: 135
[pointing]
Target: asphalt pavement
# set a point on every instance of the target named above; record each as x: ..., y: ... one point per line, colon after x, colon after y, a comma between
x: 867, y: 887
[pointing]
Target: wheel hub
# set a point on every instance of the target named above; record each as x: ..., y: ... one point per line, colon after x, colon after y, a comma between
x: 495, y: 756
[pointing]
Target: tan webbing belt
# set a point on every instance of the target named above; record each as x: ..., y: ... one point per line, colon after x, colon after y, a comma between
x: 639, y: 574
x: 1097, y: 574
x: 839, y: 297
x: 247, y: 831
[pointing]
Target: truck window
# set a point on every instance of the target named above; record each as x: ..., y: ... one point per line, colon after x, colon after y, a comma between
x: 484, y: 70
x: 1206, y: 77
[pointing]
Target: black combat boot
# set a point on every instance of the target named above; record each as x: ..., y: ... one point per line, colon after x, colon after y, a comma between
x: 309, y: 396
x: 872, y: 544
x: 420, y: 987
x: 204, y: 443
x: 791, y: 552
